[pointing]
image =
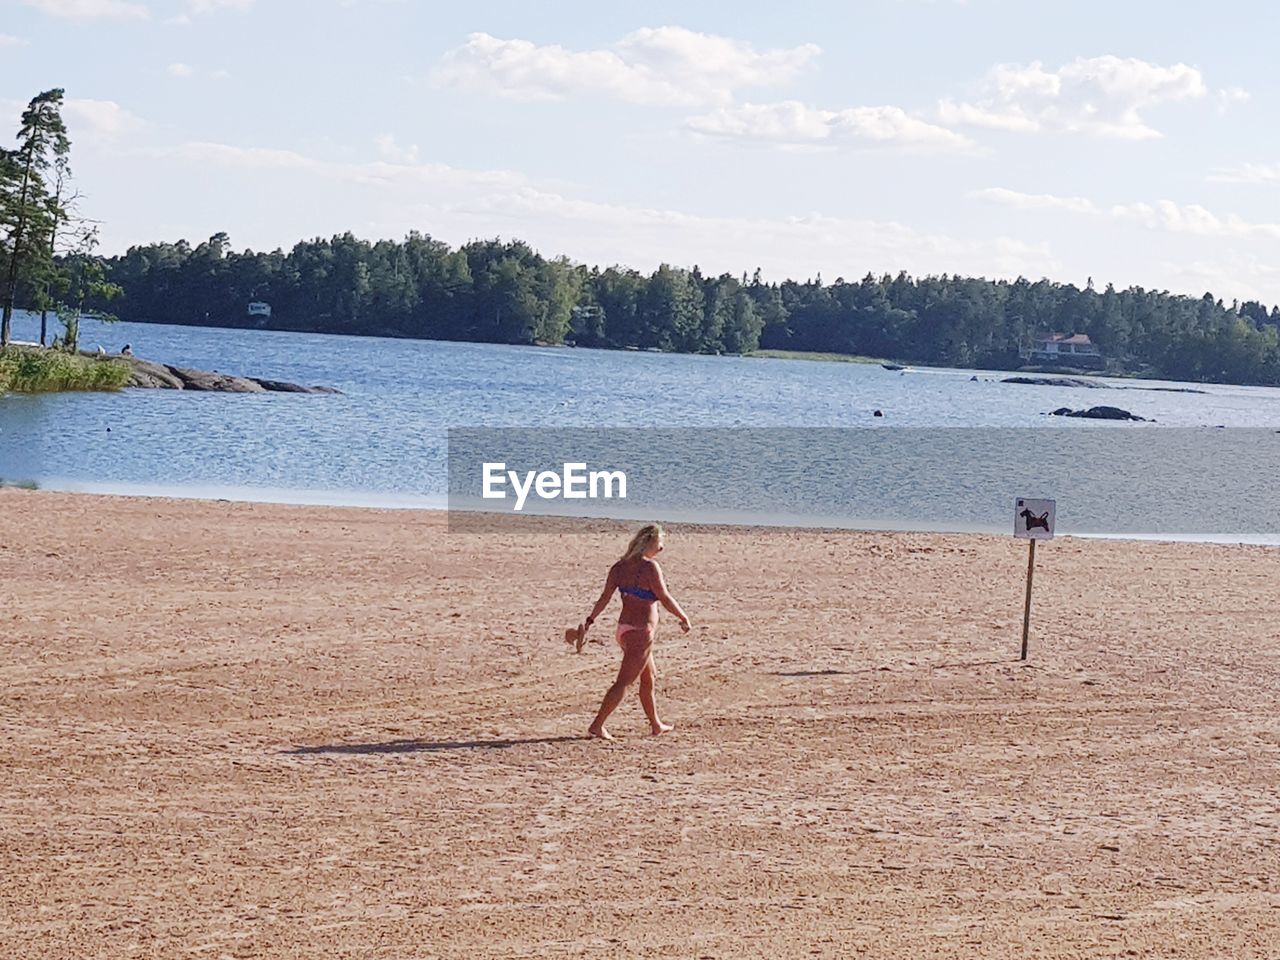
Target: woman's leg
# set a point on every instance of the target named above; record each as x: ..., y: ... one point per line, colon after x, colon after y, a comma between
x: 635, y: 655
x: 647, y: 676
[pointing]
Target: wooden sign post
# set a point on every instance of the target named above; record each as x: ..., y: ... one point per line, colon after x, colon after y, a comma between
x: 1032, y: 520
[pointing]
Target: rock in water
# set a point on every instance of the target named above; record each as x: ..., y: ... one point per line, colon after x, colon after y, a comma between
x: 1059, y: 382
x: 1099, y: 413
x: 147, y: 374
x: 219, y: 382
x: 1108, y: 413
x: 163, y: 376
x: 281, y: 386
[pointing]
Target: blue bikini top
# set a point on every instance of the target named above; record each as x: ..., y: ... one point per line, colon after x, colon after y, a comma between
x: 640, y: 593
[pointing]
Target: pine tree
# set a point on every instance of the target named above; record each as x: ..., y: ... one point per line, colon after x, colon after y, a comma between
x: 27, y: 215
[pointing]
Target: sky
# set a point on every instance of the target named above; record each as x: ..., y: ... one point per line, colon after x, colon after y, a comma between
x: 1128, y: 143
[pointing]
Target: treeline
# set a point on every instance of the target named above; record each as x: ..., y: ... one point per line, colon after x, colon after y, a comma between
x: 505, y: 292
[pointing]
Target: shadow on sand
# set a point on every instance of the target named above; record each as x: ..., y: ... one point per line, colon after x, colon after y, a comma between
x: 426, y: 746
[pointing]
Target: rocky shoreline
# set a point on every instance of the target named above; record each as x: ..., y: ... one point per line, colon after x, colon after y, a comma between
x: 1091, y: 384
x: 162, y: 376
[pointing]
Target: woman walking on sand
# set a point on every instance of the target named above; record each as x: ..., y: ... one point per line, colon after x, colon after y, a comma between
x: 638, y: 578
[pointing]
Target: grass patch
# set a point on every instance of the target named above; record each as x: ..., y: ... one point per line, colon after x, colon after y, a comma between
x: 40, y: 370
x: 19, y: 484
x: 813, y: 355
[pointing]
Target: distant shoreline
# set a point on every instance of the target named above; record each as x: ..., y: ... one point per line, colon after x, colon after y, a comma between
x: 762, y: 354
x: 812, y: 355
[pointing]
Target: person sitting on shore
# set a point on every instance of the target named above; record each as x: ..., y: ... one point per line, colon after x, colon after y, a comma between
x: 638, y: 578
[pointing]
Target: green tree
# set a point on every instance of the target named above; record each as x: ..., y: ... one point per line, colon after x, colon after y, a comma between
x: 775, y: 331
x: 619, y: 292
x: 742, y: 333
x: 507, y: 308
x: 82, y: 280
x: 560, y: 288
x: 25, y: 212
x: 60, y: 212
x: 670, y: 314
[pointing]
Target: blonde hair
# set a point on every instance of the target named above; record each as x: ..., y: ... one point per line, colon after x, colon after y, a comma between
x: 645, y: 537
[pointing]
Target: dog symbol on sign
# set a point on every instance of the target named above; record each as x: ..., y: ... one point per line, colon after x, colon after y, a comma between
x: 1033, y: 519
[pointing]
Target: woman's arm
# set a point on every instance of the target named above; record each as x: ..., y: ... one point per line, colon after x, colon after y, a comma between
x: 666, y: 599
x: 610, y: 585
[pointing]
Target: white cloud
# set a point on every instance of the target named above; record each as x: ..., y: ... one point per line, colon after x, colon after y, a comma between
x: 1193, y: 219
x: 798, y: 246
x: 184, y: 71
x: 9, y: 40
x: 200, y: 7
x: 1098, y: 96
x: 665, y: 66
x: 90, y: 9
x: 394, y: 196
x: 392, y: 151
x: 1163, y: 215
x: 1231, y: 95
x: 99, y: 118
x: 1034, y: 201
x: 1230, y: 273
x: 254, y: 158
x: 374, y: 172
x: 791, y: 122
x: 966, y: 114
x: 1247, y: 173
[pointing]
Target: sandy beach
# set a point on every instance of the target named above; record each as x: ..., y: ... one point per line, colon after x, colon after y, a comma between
x: 245, y: 730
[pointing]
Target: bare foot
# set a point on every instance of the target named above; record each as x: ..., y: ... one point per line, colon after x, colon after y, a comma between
x: 660, y: 728
x: 600, y: 733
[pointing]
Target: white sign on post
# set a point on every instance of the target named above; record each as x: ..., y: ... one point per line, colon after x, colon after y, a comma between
x: 1033, y: 519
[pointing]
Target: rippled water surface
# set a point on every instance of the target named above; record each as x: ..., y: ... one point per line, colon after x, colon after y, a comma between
x: 384, y: 439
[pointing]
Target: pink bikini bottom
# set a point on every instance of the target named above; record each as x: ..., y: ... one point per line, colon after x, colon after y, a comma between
x: 625, y: 628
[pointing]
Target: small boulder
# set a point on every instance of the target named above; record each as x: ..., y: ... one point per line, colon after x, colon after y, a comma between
x: 1099, y: 413
x: 280, y: 386
x: 284, y: 386
x: 1109, y: 413
x: 1058, y: 382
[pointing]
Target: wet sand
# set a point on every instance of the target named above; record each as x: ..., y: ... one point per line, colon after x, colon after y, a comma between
x: 246, y: 730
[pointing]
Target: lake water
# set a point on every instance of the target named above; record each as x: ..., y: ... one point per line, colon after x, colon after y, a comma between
x: 384, y: 440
